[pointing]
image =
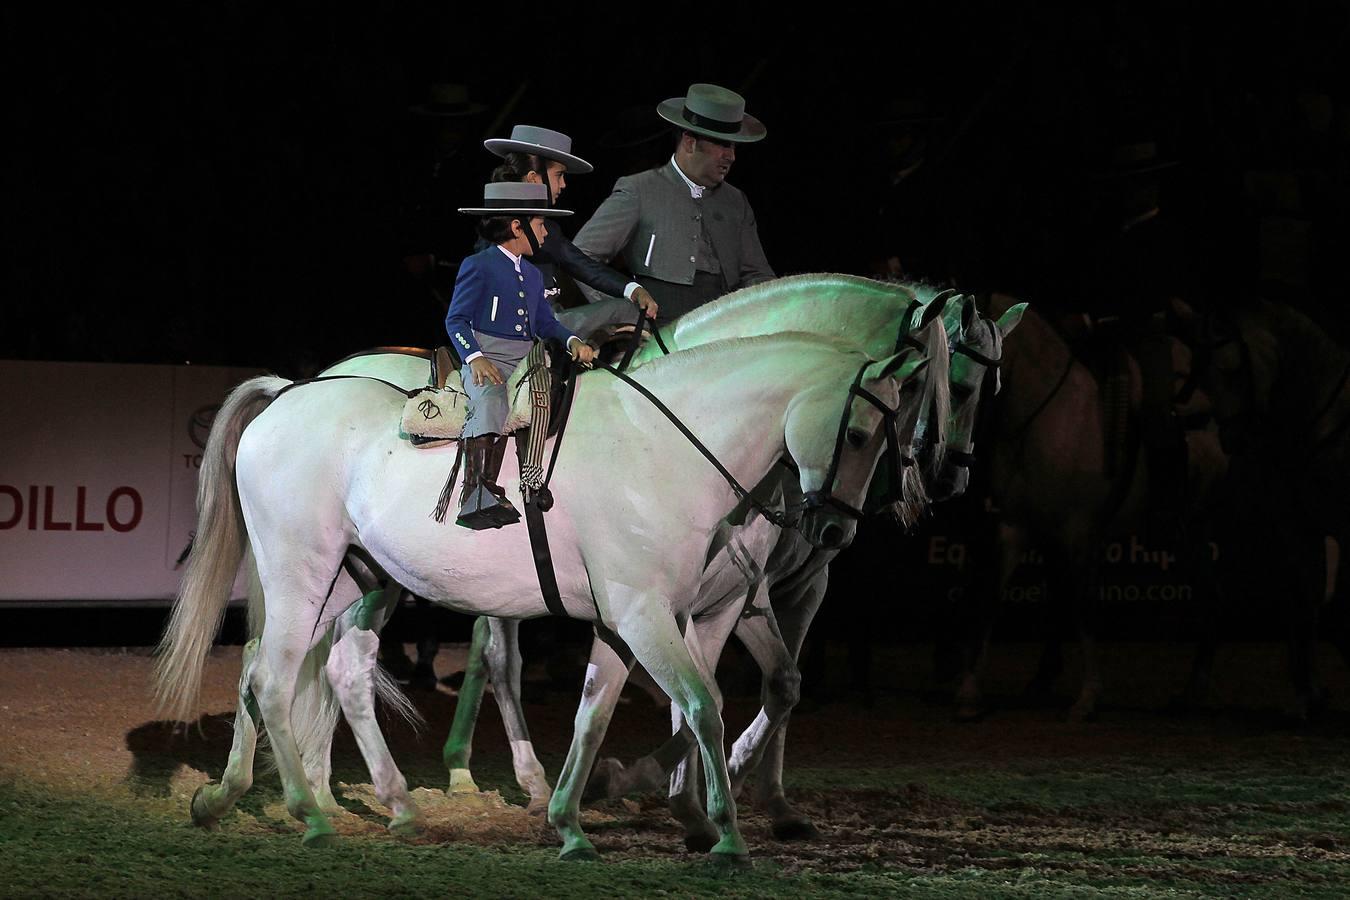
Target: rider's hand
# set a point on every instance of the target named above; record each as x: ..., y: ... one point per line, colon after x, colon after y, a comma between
x: 645, y: 302
x: 484, y: 372
x: 582, y: 352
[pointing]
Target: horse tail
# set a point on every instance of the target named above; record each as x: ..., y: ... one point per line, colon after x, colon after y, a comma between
x: 217, y: 551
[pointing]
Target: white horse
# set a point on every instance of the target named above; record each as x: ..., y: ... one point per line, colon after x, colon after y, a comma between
x: 798, y: 569
x: 796, y: 576
x: 798, y: 572
x: 321, y: 472
x: 871, y: 315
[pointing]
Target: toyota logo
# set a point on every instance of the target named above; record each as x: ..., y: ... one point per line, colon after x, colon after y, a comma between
x: 199, y: 424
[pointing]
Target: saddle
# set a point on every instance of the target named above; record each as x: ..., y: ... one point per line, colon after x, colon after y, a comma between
x: 434, y: 416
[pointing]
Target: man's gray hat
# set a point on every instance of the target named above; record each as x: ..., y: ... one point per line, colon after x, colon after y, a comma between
x: 515, y: 198
x: 541, y: 142
x: 713, y: 111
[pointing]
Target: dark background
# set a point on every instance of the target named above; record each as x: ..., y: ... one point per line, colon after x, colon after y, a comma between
x: 230, y: 183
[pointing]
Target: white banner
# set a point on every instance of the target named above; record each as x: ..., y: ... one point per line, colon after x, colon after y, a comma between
x: 98, y: 476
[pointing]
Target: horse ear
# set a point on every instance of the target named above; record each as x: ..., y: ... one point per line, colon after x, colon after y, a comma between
x: 1008, y: 321
x: 901, y: 366
x: 930, y: 312
x: 968, y: 311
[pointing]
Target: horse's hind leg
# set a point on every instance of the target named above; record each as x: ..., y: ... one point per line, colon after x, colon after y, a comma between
x: 351, y: 671
x: 503, y: 661
x: 285, y: 642
x: 214, y: 800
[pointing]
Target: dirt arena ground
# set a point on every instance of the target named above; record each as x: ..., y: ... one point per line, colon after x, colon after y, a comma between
x: 1234, y: 801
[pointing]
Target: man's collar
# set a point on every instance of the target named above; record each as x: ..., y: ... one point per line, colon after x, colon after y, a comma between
x: 695, y: 190
x: 515, y: 260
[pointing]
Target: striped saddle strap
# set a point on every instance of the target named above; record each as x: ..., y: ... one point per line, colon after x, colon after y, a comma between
x: 540, y: 380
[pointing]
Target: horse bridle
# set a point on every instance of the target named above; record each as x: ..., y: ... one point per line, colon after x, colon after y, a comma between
x: 964, y: 459
x: 815, y: 500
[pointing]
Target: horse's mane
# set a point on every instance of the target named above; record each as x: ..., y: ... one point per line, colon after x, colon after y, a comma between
x: 856, y: 283
x: 698, y: 355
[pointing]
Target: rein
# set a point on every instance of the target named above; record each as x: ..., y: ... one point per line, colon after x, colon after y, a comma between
x: 742, y: 495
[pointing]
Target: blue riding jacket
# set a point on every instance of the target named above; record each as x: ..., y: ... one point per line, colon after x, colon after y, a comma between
x: 491, y: 297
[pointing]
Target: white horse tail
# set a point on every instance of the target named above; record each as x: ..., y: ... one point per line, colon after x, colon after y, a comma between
x: 217, y: 550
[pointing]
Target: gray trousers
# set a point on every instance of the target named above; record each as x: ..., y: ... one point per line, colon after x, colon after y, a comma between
x: 489, y: 403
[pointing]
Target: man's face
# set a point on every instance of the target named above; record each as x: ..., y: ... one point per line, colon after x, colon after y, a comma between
x: 706, y: 160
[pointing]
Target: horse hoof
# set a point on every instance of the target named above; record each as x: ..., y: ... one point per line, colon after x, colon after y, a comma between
x: 969, y: 712
x: 408, y: 828
x: 200, y: 816
x: 731, y: 862
x: 461, y: 782
x: 580, y: 854
x: 603, y: 783
x: 795, y: 830
x: 320, y: 837
x: 701, y: 842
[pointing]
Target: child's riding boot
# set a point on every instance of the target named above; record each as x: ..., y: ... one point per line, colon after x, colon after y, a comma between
x: 480, y: 506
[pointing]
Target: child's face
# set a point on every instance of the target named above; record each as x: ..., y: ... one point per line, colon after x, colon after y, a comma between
x: 540, y: 232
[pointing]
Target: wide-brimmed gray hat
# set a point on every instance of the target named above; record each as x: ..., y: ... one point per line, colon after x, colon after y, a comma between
x: 713, y: 111
x: 447, y: 101
x: 515, y: 198
x: 542, y: 142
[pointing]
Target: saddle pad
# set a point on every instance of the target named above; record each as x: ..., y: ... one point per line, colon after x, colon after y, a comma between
x: 432, y: 418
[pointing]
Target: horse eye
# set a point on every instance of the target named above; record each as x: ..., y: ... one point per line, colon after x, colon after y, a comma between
x: 856, y: 438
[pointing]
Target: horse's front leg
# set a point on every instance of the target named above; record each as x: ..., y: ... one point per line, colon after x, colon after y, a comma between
x: 793, y: 614
x: 705, y: 638
x: 780, y: 691
x: 649, y: 628
x: 1009, y: 543
x: 605, y: 677
x: 459, y: 743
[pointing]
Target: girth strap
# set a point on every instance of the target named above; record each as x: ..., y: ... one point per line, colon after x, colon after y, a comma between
x: 543, y: 558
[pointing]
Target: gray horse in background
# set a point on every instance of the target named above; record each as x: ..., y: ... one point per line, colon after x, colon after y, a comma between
x: 1270, y: 389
